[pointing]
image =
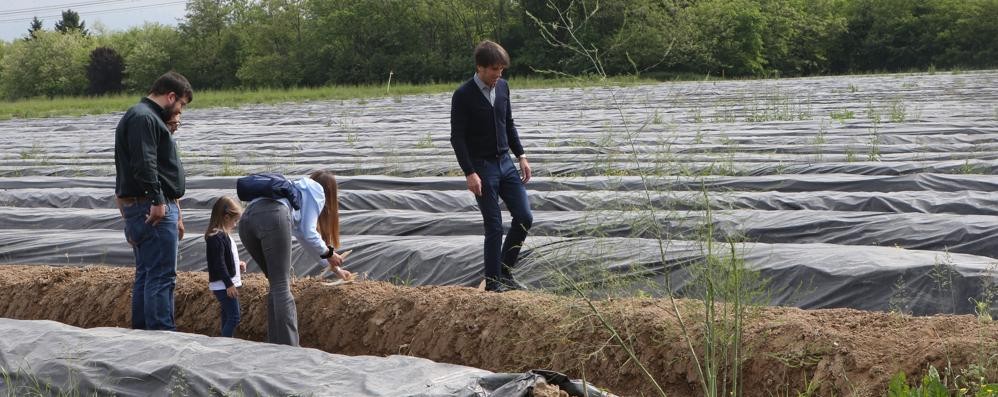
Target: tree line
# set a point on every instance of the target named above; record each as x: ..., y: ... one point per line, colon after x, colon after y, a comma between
x: 224, y: 44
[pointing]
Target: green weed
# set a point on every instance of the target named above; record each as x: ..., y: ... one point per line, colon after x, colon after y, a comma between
x: 36, y: 151
x: 900, y: 298
x: 426, y: 142
x: 850, y: 155
x: 842, y: 115
x: 898, y: 110
x: 230, y: 166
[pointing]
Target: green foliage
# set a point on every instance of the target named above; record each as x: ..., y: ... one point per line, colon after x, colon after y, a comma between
x: 148, y: 51
x: 210, y: 44
x: 70, y: 23
x: 899, y: 34
x: 75, y: 106
x: 36, y: 25
x: 230, y: 166
x: 418, y: 41
x: 729, y: 37
x: 797, y: 33
x: 272, y: 43
x: 647, y: 39
x: 570, y: 31
x: 898, y: 386
x: 933, y: 385
x: 105, y: 71
x: 222, y: 44
x: 50, y: 65
x: 842, y: 115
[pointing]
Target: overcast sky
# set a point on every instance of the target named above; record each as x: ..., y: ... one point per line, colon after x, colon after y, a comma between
x: 16, y: 15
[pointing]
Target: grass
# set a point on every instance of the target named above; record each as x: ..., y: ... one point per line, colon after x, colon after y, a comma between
x: 22, y: 382
x: 980, y: 377
x: 35, y: 152
x: 725, y: 287
x: 84, y: 105
x: 230, y: 166
x: 426, y: 142
x: 779, y: 106
x: 874, y: 152
x: 898, y: 110
x: 842, y: 115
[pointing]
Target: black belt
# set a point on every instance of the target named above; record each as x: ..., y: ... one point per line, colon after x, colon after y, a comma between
x: 133, y: 200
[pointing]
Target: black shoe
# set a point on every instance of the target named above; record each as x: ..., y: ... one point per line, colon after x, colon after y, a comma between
x: 495, y: 286
x: 513, y: 285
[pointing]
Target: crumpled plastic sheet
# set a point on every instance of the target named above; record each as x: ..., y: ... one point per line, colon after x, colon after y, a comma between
x: 849, y: 191
x: 803, y: 275
x: 116, y: 361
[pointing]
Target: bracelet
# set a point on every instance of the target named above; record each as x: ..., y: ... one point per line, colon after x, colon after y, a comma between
x: 328, y: 253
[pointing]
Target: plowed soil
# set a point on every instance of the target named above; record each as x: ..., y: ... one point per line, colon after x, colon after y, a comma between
x: 842, y: 352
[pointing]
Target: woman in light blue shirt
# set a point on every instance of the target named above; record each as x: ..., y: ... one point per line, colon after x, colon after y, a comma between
x: 265, y: 230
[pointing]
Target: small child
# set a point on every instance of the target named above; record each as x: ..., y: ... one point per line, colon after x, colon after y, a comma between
x: 223, y: 257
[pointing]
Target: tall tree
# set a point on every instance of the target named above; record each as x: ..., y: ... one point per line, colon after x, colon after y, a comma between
x: 36, y: 25
x: 52, y: 65
x: 105, y: 71
x: 209, y: 57
x: 148, y: 51
x: 271, y: 36
x: 70, y: 22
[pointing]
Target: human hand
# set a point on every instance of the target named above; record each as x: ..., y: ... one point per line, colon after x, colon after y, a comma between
x: 335, y: 260
x: 180, y: 222
x: 156, y: 213
x: 343, y: 274
x: 232, y: 292
x: 242, y: 266
x: 525, y: 169
x: 474, y: 183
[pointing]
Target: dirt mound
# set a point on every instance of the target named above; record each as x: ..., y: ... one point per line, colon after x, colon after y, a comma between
x: 843, y: 352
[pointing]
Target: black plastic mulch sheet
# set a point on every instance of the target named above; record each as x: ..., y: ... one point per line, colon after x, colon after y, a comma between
x: 419, y: 246
x: 966, y: 234
x: 873, y: 192
x: 116, y: 361
x: 803, y: 275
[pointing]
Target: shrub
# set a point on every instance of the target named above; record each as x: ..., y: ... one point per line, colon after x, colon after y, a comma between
x: 52, y: 64
x: 105, y: 71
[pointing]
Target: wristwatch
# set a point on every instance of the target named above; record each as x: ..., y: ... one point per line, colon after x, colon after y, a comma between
x: 521, y: 157
x: 328, y: 253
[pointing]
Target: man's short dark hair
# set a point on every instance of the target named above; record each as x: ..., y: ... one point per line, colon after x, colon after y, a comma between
x: 173, y: 82
x: 489, y: 53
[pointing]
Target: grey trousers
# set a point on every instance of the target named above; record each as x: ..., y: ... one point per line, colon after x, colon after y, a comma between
x: 265, y: 231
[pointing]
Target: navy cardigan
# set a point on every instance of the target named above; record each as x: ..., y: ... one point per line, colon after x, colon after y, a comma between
x: 479, y: 130
x: 221, y: 264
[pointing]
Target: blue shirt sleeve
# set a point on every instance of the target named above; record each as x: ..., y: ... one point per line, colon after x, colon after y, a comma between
x: 313, y: 198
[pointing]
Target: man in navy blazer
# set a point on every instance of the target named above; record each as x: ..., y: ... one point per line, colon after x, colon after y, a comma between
x: 483, y: 135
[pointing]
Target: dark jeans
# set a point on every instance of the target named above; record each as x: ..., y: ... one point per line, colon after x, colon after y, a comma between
x: 265, y: 231
x: 501, y: 180
x: 230, y: 312
x: 155, y: 249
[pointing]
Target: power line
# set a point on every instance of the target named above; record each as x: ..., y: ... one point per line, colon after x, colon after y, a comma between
x: 96, y: 12
x: 33, y: 10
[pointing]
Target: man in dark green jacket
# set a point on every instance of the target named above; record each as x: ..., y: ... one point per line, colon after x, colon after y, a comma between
x: 148, y: 184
